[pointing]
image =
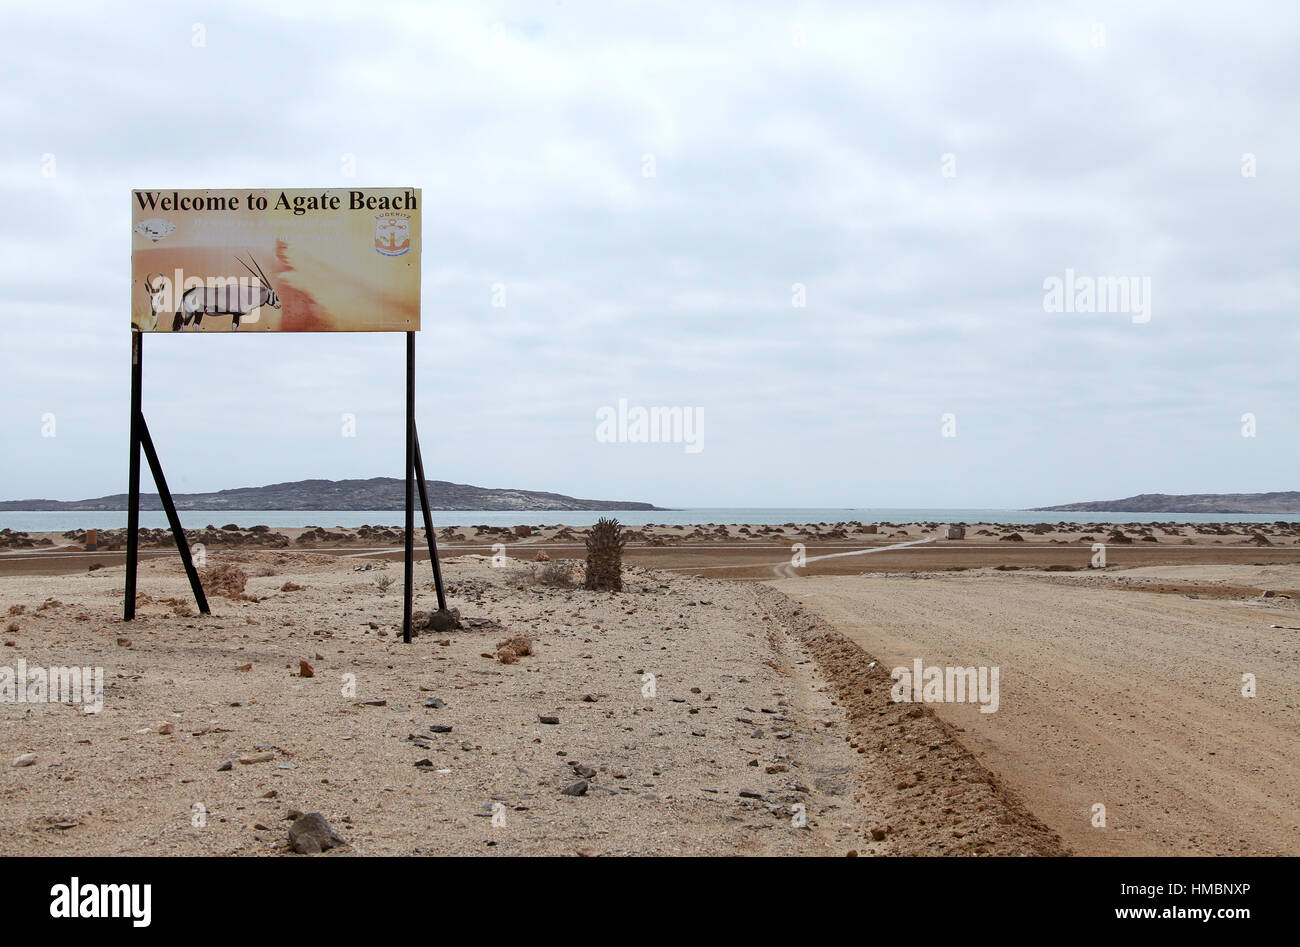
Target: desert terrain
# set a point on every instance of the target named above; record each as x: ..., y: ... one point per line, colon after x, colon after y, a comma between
x: 726, y: 702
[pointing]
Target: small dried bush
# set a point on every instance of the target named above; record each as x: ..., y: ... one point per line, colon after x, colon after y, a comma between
x: 226, y: 580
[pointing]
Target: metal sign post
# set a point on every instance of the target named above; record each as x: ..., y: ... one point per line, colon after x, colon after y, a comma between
x: 140, y: 438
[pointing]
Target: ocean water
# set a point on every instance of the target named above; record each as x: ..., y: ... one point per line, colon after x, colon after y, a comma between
x: 195, y: 519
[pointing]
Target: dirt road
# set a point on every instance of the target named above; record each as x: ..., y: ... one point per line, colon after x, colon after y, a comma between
x: 1127, y: 698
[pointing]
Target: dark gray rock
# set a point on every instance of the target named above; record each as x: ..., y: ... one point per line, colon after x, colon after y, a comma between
x: 312, y: 835
x: 444, y: 619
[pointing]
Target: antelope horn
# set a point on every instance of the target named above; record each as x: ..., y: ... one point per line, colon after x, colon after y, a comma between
x: 259, y: 270
x: 249, y: 268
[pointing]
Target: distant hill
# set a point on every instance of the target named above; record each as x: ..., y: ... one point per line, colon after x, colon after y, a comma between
x: 378, y: 493
x: 1288, y: 502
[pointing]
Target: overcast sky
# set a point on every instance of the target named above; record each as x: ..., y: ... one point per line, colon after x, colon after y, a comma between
x: 649, y: 183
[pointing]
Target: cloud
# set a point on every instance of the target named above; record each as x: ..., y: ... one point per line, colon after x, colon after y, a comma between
x: 788, y: 145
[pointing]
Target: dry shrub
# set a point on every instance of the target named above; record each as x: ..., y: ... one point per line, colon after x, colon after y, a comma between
x: 557, y: 575
x: 226, y: 580
x: 17, y: 609
x: 178, y: 606
x: 605, y: 556
x: 512, y: 649
x: 542, y: 556
x: 291, y: 587
x: 384, y: 583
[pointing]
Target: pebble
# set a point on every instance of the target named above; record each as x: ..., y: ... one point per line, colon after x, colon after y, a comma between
x: 27, y: 759
x: 545, y: 718
x: 577, y: 789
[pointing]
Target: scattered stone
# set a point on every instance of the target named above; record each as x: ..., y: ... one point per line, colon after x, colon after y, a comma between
x: 224, y: 767
x: 27, y: 759
x: 311, y: 835
x: 877, y: 833
x: 124, y: 642
x: 305, y: 669
x: 749, y: 794
x: 166, y: 730
x: 548, y: 719
x: 512, y: 649
x: 440, y: 728
x: 376, y: 702
x: 577, y: 789
x: 434, y: 703
x: 256, y: 758
x: 585, y: 771
x: 444, y: 619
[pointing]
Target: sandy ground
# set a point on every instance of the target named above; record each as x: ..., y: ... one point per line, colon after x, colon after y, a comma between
x: 761, y: 715
x: 1122, y: 688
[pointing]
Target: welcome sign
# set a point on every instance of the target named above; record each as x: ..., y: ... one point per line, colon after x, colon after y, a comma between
x: 334, y: 260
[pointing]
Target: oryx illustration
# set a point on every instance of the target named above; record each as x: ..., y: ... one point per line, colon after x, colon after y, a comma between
x: 155, y: 289
x: 226, y: 297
